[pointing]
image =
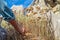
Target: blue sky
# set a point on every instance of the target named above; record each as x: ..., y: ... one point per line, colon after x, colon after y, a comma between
x: 25, y: 3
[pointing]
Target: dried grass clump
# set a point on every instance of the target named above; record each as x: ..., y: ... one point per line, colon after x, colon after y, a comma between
x: 37, y: 23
